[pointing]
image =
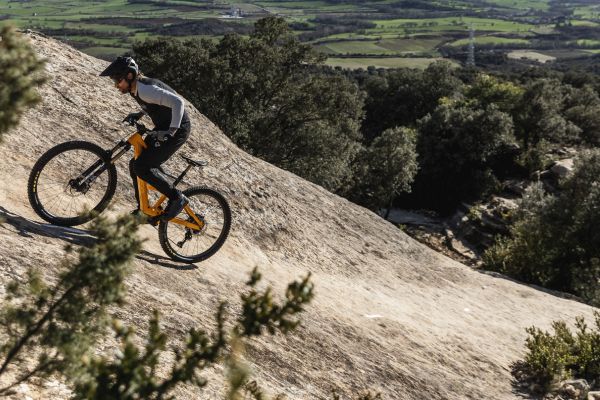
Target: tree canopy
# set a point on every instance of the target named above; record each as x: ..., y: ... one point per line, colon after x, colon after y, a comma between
x: 20, y: 74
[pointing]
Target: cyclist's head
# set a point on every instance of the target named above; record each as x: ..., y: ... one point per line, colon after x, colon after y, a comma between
x: 123, y: 72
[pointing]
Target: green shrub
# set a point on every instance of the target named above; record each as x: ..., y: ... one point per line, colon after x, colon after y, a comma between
x: 132, y: 373
x: 59, y: 324
x: 554, y: 240
x: 400, y: 97
x: 385, y: 168
x: 549, y: 354
x: 552, y: 357
x: 457, y: 146
x: 54, y: 329
x: 539, y: 115
x: 20, y: 73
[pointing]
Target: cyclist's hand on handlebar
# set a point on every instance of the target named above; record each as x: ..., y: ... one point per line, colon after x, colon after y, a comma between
x: 132, y: 118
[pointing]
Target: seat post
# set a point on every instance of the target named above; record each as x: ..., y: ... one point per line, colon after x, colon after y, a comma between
x: 180, y: 177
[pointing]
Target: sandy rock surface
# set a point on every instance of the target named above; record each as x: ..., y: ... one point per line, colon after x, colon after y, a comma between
x: 389, y: 315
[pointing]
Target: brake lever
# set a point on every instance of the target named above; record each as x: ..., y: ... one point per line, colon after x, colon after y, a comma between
x: 141, y: 128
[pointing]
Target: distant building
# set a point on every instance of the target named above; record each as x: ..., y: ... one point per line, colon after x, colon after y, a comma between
x: 235, y: 12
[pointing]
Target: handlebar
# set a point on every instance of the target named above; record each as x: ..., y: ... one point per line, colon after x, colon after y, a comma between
x: 141, y: 128
x: 123, y: 145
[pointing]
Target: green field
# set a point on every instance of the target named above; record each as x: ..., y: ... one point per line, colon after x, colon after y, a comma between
x: 588, y: 12
x: 522, y: 4
x: 334, y: 27
x: 531, y: 55
x: 490, y: 40
x: 390, y: 62
x: 380, y: 47
x: 450, y: 24
x: 589, y: 43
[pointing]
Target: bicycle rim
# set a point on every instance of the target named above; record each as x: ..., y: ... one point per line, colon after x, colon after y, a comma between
x: 55, y: 196
x: 187, y: 245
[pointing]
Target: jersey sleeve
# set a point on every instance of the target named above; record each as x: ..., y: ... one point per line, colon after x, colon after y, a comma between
x: 156, y: 95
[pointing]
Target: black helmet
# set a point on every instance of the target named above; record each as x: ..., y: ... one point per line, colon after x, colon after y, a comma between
x: 121, y: 67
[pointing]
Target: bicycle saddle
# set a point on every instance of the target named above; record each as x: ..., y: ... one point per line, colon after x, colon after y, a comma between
x: 194, y: 162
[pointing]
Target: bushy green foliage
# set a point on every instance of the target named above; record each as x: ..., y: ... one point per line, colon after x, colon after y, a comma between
x: 487, y: 90
x: 314, y: 132
x: 132, y: 373
x: 457, y: 145
x: 260, y: 312
x: 385, y: 168
x: 549, y: 354
x: 555, y: 241
x: 402, y: 96
x: 582, y: 108
x: 552, y: 357
x: 60, y: 323
x: 539, y: 115
x: 264, y: 92
x: 20, y: 73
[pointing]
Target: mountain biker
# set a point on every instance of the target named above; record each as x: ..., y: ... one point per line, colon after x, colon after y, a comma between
x: 171, y: 128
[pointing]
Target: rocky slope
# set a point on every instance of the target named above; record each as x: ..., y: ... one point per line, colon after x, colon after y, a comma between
x: 389, y: 314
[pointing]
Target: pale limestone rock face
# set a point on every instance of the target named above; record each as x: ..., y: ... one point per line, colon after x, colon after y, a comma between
x: 563, y: 168
x: 593, y: 396
x: 443, y: 330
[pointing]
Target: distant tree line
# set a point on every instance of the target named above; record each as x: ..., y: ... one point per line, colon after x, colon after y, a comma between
x: 208, y: 26
x: 326, y: 25
x: 353, y: 21
x: 61, y: 32
x: 134, y: 22
x: 271, y: 94
x: 181, y: 6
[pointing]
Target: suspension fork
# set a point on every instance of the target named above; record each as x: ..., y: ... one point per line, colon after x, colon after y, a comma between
x: 95, y: 170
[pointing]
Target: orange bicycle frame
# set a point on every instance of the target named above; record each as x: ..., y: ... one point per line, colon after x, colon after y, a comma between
x: 144, y: 188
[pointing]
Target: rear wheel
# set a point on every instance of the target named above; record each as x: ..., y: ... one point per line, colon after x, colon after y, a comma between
x: 188, y: 245
x: 71, y: 183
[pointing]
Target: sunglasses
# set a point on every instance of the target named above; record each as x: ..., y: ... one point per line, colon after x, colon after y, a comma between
x: 117, y: 80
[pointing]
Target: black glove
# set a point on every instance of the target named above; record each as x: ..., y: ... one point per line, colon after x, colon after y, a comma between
x: 133, y: 117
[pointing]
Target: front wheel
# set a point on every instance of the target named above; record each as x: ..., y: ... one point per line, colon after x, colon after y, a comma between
x: 71, y: 183
x: 188, y: 245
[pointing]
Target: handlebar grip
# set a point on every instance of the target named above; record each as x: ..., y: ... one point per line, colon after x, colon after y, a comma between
x: 141, y: 128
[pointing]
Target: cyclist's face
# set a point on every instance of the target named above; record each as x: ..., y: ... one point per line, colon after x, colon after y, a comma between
x: 122, y: 85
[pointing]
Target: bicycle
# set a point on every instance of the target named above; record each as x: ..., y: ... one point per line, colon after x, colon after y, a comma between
x: 66, y: 171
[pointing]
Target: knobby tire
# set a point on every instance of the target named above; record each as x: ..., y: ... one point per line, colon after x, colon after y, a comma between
x: 43, y: 161
x: 172, y: 251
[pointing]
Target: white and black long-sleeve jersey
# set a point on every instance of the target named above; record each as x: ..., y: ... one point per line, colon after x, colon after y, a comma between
x: 163, y: 105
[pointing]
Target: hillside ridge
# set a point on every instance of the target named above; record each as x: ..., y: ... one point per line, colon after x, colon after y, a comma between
x: 389, y: 315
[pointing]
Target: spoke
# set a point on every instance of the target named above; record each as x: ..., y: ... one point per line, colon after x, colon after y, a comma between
x: 50, y: 185
x: 52, y: 193
x: 53, y: 203
x: 53, y: 189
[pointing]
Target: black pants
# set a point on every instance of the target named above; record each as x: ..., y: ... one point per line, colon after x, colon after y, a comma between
x: 147, y: 165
